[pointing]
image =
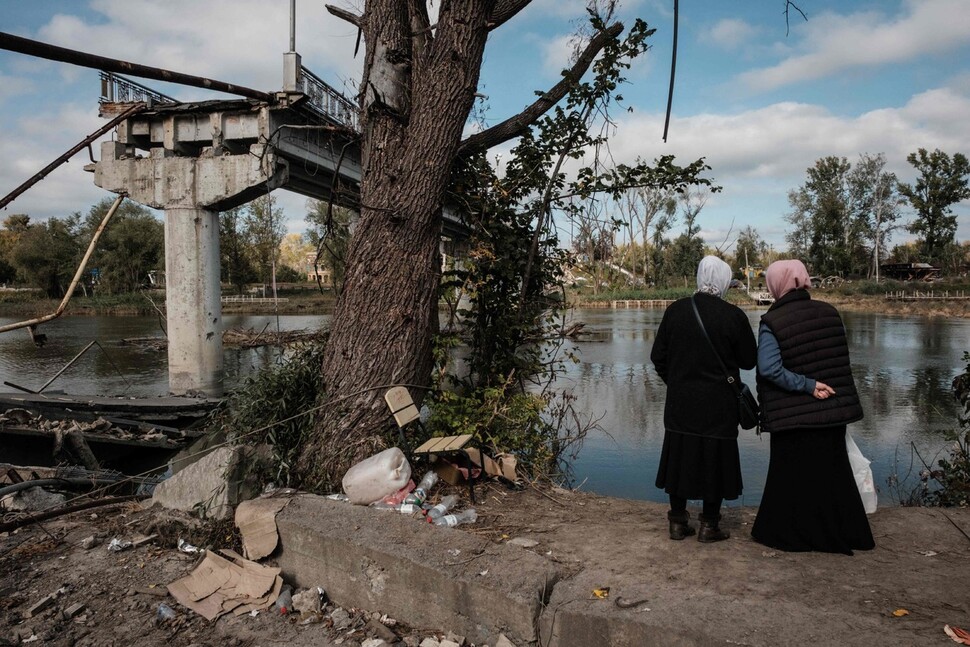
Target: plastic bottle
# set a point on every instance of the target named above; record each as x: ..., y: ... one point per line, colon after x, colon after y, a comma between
x: 420, y: 493
x: 403, y: 508
x: 452, y: 520
x: 447, y: 502
x: 284, y: 603
x: 165, y: 612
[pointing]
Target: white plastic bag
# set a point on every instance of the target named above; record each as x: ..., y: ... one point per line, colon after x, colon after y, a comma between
x: 862, y: 473
x: 375, y: 477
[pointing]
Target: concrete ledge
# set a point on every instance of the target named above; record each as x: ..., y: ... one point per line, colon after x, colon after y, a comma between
x: 421, y: 574
x: 689, y: 594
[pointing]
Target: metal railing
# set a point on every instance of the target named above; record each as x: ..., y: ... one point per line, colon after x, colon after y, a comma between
x: 326, y: 100
x: 118, y: 89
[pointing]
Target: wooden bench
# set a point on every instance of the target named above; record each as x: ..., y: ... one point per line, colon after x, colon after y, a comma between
x: 405, y: 412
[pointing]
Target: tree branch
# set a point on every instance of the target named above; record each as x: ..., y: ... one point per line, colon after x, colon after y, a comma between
x: 504, y: 11
x: 343, y: 14
x: 515, y: 126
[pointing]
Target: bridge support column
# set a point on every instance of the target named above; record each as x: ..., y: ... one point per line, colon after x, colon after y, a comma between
x: 193, y: 301
x: 192, y: 183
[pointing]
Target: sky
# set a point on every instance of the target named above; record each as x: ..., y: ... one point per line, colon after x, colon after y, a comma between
x: 759, y: 97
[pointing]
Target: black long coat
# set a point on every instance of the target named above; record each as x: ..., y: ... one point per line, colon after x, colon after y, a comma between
x: 699, y: 399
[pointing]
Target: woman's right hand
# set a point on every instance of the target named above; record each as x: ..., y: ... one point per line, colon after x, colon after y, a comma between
x: 822, y: 390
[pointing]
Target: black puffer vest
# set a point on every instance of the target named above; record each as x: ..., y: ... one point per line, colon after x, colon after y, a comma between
x: 812, y: 340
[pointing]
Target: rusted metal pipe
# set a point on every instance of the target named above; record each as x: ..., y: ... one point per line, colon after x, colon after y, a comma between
x: 84, y: 59
x: 86, y: 142
x: 77, y: 275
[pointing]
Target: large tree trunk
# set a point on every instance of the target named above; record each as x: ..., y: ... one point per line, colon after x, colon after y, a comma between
x: 416, y: 95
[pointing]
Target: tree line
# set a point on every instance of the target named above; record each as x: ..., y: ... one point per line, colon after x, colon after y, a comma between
x: 254, y: 248
x: 841, y: 223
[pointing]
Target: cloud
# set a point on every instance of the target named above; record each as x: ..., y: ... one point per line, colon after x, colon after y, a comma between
x: 831, y: 43
x: 14, y: 86
x: 194, y: 38
x: 730, y: 34
x: 558, y: 54
x: 758, y: 155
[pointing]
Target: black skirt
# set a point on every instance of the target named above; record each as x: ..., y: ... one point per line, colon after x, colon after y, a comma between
x: 811, y: 501
x: 698, y: 467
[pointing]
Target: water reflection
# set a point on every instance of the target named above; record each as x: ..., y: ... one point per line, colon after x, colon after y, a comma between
x: 903, y: 368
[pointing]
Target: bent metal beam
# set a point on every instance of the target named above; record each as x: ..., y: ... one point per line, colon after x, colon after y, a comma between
x: 64, y: 55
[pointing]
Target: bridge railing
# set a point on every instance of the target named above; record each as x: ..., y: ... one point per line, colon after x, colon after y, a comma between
x: 326, y: 100
x: 118, y: 89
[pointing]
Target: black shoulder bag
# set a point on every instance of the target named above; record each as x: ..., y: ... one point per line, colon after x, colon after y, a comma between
x: 748, y: 409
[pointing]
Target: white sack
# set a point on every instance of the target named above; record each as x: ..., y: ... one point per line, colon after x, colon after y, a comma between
x: 862, y: 473
x: 375, y: 477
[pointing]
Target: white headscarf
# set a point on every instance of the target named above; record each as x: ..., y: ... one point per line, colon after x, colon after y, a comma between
x: 713, y: 276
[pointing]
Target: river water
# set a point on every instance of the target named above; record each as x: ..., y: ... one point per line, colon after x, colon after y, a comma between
x: 903, y: 368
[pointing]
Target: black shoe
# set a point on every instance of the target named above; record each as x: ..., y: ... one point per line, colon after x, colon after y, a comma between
x: 679, y: 526
x: 710, y: 530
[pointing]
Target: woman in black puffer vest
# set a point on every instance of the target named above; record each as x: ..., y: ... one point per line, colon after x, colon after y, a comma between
x: 807, y: 396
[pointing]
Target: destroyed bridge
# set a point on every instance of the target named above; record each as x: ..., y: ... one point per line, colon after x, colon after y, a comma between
x: 194, y: 160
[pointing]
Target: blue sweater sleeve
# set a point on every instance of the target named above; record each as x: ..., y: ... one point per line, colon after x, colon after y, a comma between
x: 771, y: 368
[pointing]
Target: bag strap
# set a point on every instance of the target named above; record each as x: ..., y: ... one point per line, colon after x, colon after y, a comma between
x: 730, y: 378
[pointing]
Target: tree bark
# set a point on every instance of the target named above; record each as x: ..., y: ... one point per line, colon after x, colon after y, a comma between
x: 416, y: 94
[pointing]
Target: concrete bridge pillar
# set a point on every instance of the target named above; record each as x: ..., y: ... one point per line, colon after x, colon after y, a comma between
x: 193, y: 171
x: 193, y: 301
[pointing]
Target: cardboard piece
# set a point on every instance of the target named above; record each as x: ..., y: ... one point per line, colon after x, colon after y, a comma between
x: 502, y: 466
x: 256, y: 520
x: 218, y: 586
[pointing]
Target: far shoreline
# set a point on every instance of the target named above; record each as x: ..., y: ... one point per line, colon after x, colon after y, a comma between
x: 317, y: 304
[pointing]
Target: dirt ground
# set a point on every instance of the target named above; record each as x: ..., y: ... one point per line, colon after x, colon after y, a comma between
x: 921, y: 564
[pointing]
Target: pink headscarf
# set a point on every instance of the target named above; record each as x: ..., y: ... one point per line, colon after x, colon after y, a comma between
x: 784, y: 276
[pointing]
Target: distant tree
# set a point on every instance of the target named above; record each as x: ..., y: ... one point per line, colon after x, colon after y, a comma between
x: 328, y: 232
x: 45, y: 255
x: 640, y: 206
x: 236, y: 264
x: 687, y: 249
x: 684, y: 253
x: 943, y: 181
x: 827, y: 225
x: 904, y: 253
x: 130, y: 247
x: 13, y: 227
x: 749, y: 248
x: 264, y: 227
x: 876, y: 196
x: 294, y: 252
x: 661, y: 265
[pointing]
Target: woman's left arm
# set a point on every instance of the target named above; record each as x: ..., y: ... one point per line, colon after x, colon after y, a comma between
x: 771, y: 368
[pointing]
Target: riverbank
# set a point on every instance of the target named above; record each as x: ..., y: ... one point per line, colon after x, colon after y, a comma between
x: 876, y: 304
x: 547, y: 567
x: 309, y: 303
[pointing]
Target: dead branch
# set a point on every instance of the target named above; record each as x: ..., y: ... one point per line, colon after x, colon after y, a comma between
x: 343, y: 14
x: 515, y: 126
x: 504, y: 11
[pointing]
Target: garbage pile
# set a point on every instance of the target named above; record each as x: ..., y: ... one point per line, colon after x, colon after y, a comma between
x: 384, y: 482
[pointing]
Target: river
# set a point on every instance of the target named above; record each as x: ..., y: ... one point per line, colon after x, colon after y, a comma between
x: 903, y: 368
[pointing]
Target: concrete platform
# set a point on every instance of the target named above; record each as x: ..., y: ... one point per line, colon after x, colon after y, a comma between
x: 426, y: 576
x: 681, y: 593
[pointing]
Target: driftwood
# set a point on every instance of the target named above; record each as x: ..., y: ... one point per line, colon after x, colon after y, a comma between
x: 239, y: 338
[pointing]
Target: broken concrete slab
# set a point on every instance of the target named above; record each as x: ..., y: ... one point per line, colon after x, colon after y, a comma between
x: 377, y: 560
x: 213, y: 485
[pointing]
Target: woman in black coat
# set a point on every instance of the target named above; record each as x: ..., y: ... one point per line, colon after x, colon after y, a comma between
x: 699, y: 459
x: 808, y: 396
